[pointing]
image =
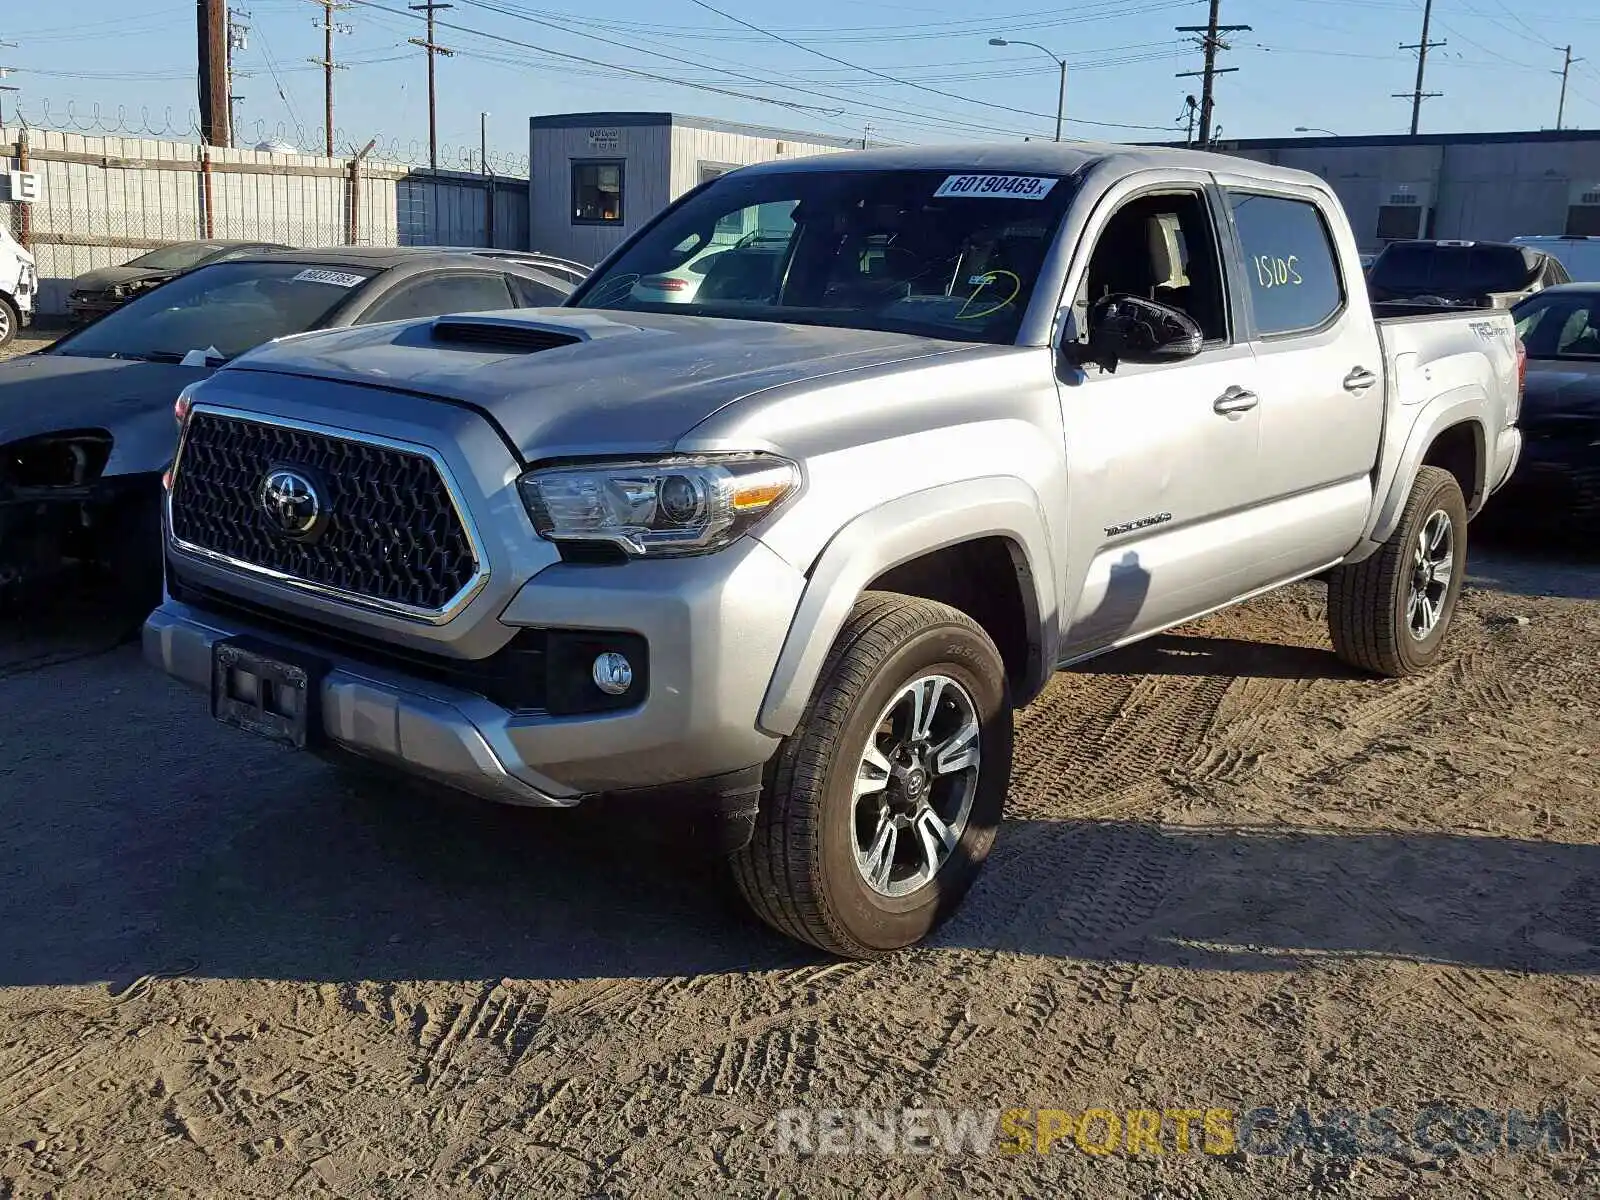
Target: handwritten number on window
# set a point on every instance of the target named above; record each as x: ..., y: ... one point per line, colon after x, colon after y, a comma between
x: 1274, y: 272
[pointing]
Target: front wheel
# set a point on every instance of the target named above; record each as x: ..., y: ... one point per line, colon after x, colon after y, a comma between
x: 1390, y: 612
x: 882, y: 805
x: 10, y: 321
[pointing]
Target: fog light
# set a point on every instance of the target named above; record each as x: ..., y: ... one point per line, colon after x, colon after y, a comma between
x: 613, y: 674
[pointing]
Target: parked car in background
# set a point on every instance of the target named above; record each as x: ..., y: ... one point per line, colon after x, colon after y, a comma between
x: 86, y: 425
x: 1580, y: 255
x: 95, y: 293
x: 1557, y: 488
x: 790, y: 555
x: 19, y: 287
x: 1435, y: 274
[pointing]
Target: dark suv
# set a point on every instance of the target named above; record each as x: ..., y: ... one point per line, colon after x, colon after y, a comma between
x: 1458, y: 274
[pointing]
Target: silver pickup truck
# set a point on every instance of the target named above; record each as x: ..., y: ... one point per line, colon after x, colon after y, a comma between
x: 935, y: 424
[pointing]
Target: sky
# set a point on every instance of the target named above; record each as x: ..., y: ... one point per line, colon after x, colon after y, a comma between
x: 915, y: 71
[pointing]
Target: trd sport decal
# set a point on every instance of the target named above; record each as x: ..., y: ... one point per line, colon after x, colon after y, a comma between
x: 1141, y: 523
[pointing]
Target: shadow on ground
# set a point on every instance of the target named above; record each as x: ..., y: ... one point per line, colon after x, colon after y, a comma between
x: 279, y: 880
x: 1193, y: 654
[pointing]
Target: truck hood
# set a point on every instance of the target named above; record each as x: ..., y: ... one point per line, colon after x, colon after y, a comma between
x: 628, y: 382
x: 44, y: 393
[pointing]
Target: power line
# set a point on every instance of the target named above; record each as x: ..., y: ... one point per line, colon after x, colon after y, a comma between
x: 939, y: 116
x: 1417, y: 95
x: 1211, y: 41
x: 613, y: 68
x: 921, y: 87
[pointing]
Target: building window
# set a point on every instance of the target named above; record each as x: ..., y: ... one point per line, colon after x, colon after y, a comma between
x: 597, y: 191
x: 711, y: 170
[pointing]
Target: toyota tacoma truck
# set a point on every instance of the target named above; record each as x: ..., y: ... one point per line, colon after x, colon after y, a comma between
x: 783, y: 560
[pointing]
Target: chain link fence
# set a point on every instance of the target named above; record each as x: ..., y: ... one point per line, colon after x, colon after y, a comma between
x: 104, y: 200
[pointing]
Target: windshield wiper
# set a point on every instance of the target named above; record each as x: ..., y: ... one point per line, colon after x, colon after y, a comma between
x: 174, y: 356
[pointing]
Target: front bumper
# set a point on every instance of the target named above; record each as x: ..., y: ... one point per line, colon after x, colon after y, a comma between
x: 82, y: 309
x: 714, y: 627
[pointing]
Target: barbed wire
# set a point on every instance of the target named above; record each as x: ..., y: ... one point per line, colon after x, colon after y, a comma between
x: 96, y: 120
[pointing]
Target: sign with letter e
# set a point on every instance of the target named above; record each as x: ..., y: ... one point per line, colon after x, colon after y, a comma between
x: 26, y: 186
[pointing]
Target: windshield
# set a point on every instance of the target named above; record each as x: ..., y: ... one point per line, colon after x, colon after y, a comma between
x: 174, y: 258
x: 228, y: 308
x: 1560, y: 325
x: 927, y: 252
x: 1433, y: 269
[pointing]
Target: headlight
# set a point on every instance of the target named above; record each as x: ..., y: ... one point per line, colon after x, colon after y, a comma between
x: 669, y: 506
x: 182, y: 406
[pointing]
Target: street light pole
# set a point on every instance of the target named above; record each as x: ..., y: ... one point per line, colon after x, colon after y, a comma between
x: 1061, y: 95
x: 1314, y: 129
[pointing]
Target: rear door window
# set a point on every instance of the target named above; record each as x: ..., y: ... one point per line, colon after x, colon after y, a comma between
x: 1289, y: 262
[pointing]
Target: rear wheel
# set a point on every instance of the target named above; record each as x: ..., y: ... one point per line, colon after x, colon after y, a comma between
x: 10, y: 321
x: 1390, y: 612
x: 882, y: 805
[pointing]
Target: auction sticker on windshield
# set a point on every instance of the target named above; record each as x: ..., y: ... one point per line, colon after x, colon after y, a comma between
x: 337, y: 278
x: 998, y: 187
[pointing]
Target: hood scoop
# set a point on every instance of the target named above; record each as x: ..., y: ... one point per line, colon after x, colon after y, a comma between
x: 487, y: 333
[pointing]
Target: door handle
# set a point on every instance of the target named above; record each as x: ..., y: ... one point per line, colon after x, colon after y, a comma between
x: 1235, y: 401
x: 1359, y: 380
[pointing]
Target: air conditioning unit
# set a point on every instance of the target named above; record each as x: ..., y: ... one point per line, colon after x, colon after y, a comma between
x: 1583, y: 210
x: 1406, y: 212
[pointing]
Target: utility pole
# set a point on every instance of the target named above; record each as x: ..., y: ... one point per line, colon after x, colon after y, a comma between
x: 238, y: 39
x: 329, y: 28
x: 433, y: 50
x: 1210, y: 41
x: 211, y: 26
x: 866, y: 136
x: 6, y: 87
x: 1566, y: 69
x: 1417, y: 95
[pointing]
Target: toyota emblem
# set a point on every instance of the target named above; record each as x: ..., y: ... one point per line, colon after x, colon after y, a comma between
x: 291, y: 503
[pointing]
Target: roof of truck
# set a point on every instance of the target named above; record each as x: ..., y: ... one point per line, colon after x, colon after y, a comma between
x: 1047, y: 158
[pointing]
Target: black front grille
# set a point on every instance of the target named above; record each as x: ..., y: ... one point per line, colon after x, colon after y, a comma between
x: 391, y: 533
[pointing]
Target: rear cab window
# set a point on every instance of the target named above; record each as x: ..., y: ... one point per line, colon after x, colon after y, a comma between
x: 1291, y: 267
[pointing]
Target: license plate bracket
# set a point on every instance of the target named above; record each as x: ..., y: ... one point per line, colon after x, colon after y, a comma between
x: 272, y: 691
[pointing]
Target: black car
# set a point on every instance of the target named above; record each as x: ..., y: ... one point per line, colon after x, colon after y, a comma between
x: 1556, y: 486
x: 95, y: 293
x: 1458, y: 274
x: 87, y: 426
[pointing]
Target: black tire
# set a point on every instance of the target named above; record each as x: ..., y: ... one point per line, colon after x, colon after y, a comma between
x: 10, y: 321
x: 1368, y: 601
x: 798, y: 872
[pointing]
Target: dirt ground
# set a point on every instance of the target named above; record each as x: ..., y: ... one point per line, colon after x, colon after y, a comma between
x: 1233, y: 875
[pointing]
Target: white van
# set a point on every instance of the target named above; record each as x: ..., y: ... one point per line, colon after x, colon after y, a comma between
x: 19, y: 283
x: 1579, y: 255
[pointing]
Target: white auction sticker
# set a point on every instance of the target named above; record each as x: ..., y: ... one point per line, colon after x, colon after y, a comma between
x: 337, y: 278
x: 997, y: 187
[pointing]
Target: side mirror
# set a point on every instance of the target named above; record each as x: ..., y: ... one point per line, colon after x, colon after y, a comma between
x: 1133, y: 329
